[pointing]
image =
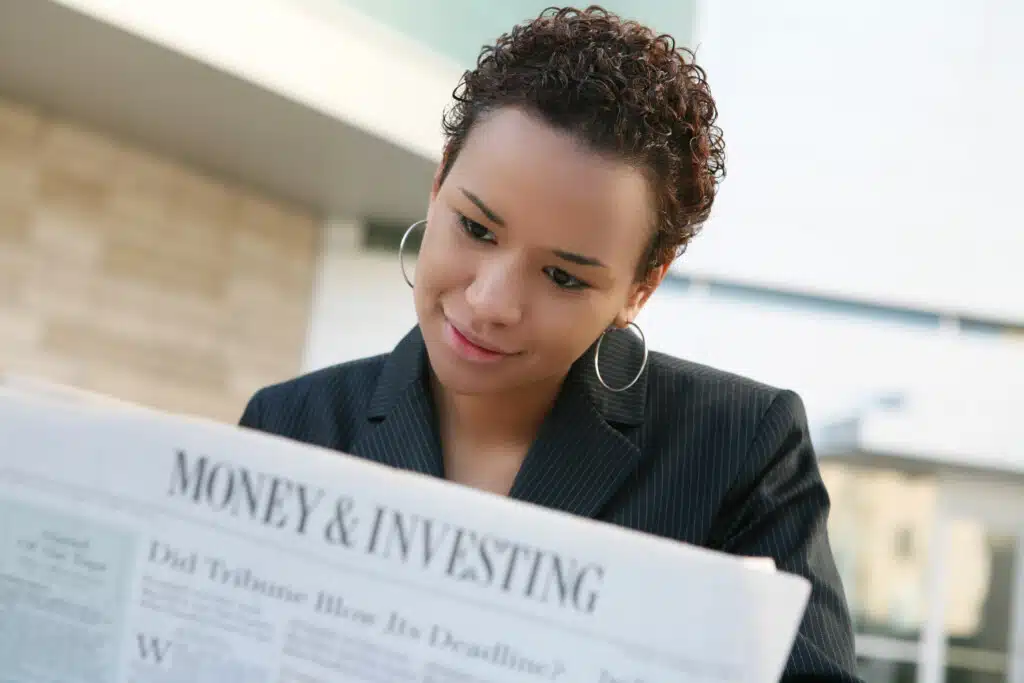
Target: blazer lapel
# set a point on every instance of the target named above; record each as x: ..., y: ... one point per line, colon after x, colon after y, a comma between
x: 402, y: 429
x: 584, y: 452
x: 586, y: 447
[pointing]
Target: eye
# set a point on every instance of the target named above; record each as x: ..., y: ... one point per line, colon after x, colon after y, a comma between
x: 563, y: 279
x: 475, y: 230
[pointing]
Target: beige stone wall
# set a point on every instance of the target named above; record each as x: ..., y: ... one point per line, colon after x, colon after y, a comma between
x: 127, y: 274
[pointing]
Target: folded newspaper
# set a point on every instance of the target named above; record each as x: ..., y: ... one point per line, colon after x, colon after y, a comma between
x: 137, y: 546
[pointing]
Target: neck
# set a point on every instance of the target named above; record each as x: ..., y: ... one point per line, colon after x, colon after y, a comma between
x: 509, y: 417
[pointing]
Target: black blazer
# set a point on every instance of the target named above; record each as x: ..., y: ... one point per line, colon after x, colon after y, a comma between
x: 688, y: 452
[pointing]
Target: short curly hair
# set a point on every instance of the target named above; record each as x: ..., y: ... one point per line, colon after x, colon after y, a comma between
x: 622, y: 89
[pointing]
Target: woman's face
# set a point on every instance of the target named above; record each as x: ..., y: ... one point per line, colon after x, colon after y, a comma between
x: 530, y: 253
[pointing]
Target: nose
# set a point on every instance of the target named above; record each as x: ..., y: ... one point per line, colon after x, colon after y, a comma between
x: 496, y: 294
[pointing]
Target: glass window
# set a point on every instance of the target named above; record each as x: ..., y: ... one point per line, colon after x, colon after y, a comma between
x: 979, y: 603
x: 458, y: 28
x: 882, y: 671
x: 957, y: 675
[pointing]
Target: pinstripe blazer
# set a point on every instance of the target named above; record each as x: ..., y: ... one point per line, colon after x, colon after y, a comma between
x: 688, y: 452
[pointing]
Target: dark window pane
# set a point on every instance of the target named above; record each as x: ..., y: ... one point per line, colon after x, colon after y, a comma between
x: 882, y: 671
x: 978, y: 604
x: 954, y: 675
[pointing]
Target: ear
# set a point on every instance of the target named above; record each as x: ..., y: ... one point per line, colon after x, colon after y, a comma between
x: 639, y: 293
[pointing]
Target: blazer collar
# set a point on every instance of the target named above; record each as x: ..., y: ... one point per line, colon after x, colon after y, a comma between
x: 620, y: 355
x: 405, y: 365
x: 583, y: 452
x: 404, y: 432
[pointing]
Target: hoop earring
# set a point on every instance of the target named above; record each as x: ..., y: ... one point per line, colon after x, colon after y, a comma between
x: 401, y: 249
x: 597, y: 356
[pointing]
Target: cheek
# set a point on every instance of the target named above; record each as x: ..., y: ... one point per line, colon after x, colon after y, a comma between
x: 441, y: 262
x: 567, y: 326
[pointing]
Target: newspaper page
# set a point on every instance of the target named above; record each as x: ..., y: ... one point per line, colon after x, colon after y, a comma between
x: 35, y: 387
x: 147, y: 548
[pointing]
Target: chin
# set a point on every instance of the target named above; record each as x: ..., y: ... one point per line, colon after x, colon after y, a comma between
x: 462, y: 378
x: 462, y: 386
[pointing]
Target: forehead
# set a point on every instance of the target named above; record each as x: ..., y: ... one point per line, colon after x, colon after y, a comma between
x: 549, y: 188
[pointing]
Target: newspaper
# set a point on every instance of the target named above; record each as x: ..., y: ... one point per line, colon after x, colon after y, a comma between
x: 142, y: 547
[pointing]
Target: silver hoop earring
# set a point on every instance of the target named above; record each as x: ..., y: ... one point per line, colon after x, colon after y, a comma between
x: 401, y: 249
x: 597, y: 357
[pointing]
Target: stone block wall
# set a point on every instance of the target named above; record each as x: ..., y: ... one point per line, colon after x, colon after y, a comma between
x: 125, y: 273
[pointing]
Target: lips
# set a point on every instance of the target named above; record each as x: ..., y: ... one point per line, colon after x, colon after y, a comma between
x: 471, y: 347
x: 477, y: 342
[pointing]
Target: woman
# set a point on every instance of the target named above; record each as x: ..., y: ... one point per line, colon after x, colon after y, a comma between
x: 581, y: 157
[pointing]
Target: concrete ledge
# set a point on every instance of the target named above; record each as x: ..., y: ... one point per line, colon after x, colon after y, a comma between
x: 321, y: 111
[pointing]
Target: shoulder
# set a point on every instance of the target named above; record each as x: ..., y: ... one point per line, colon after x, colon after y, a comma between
x: 745, y: 459
x: 675, y: 385
x: 727, y: 424
x: 315, y: 402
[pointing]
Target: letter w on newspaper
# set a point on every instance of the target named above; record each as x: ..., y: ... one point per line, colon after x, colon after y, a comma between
x: 142, y: 547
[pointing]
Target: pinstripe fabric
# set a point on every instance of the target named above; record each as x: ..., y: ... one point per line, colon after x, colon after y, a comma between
x: 688, y: 452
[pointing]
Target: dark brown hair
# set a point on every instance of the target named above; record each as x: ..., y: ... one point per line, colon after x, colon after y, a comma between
x: 623, y: 90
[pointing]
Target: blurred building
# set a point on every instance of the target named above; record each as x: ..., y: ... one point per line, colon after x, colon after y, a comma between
x: 200, y: 198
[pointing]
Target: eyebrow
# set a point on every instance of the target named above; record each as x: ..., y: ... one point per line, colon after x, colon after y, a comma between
x: 572, y: 257
x: 487, y: 211
x: 578, y: 258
